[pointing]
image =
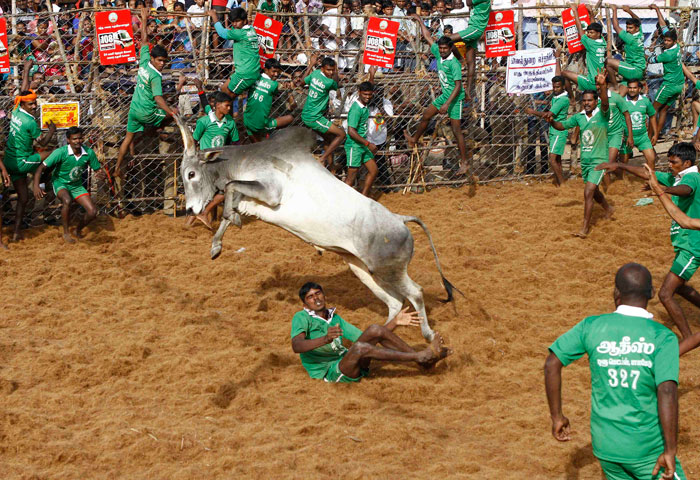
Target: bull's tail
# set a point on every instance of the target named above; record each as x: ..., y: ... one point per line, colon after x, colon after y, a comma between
x: 446, y: 283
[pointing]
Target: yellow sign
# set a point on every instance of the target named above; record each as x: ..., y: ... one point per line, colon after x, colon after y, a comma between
x: 64, y: 115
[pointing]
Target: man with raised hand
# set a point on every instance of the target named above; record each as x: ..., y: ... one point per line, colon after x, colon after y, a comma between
x: 633, y: 362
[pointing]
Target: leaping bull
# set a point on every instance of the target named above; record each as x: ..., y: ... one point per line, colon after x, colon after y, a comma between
x: 280, y: 182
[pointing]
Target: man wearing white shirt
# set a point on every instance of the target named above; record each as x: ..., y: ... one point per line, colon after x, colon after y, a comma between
x: 461, y: 23
x: 334, y: 36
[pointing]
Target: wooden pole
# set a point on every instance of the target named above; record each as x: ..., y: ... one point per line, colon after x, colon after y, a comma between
x: 205, y: 42
x: 57, y: 35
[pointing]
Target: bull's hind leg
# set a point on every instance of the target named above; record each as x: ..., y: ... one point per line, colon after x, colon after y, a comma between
x: 360, y: 270
x: 231, y: 202
x: 414, y: 293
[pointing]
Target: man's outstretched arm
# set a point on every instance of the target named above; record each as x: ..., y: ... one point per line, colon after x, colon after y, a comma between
x: 671, y: 208
x: 552, y: 383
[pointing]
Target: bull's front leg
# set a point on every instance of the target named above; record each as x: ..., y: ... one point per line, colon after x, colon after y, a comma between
x: 231, y: 201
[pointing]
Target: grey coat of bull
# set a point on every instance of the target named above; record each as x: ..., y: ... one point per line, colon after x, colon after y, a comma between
x: 281, y: 183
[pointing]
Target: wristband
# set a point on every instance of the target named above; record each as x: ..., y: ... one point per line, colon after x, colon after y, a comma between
x: 200, y: 93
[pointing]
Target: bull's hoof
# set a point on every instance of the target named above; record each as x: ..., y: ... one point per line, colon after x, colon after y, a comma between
x: 429, y: 335
x: 215, y: 251
x: 236, y: 220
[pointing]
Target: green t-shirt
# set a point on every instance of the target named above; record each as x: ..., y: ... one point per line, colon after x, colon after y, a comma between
x: 618, y: 107
x: 318, y: 360
x: 629, y: 356
x: 673, y: 67
x: 560, y: 109
x: 246, y: 49
x: 595, y: 54
x: 149, y: 84
x: 317, y: 98
x: 681, y: 238
x: 594, y: 134
x: 69, y: 168
x: 358, y: 117
x: 479, y: 15
x: 23, y: 131
x: 212, y: 133
x: 449, y: 72
x: 639, y: 111
x: 634, y: 48
x: 259, y: 102
x: 266, y: 7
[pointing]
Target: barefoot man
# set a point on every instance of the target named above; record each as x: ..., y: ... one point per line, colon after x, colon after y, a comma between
x: 318, y: 333
x: 593, y: 123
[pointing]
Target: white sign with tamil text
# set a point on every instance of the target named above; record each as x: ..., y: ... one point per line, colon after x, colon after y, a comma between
x: 531, y: 71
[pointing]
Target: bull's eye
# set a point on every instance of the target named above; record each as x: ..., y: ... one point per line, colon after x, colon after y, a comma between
x: 191, y: 175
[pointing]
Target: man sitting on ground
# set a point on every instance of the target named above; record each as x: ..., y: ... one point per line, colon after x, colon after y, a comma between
x: 318, y: 332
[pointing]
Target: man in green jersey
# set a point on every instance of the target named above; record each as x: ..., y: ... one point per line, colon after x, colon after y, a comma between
x: 4, y: 183
x: 635, y: 63
x: 20, y: 157
x: 620, y: 125
x: 557, y: 138
x: 673, y: 82
x: 450, y: 101
x: 215, y: 129
x: 683, y: 182
x: 69, y: 164
x: 318, y: 333
x: 593, y: 124
x: 320, y: 83
x: 633, y: 364
x: 256, y: 116
x: 478, y: 19
x: 640, y: 110
x: 358, y: 150
x: 148, y: 109
x: 595, y: 47
x: 246, y: 51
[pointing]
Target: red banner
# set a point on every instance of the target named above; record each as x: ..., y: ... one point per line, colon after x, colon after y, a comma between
x: 269, y: 32
x: 4, y: 47
x: 573, y: 40
x: 115, y: 37
x: 500, y: 34
x: 380, y: 42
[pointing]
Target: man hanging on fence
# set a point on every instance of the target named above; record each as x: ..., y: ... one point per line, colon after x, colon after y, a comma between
x: 69, y: 165
x: 256, y: 115
x: 451, y: 100
x: 593, y: 123
x: 148, y: 108
x: 20, y: 155
x: 635, y: 63
x: 246, y: 51
x: 478, y: 19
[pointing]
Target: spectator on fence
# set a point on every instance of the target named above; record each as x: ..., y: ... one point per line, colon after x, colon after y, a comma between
x: 267, y: 6
x: 21, y: 43
x: 197, y: 9
x: 309, y: 6
x: 461, y: 21
x: 40, y: 41
x: 334, y: 30
x: 297, y: 94
x: 405, y: 38
x: 256, y: 116
x: 24, y: 12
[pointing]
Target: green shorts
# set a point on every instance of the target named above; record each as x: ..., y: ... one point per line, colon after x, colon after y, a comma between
x: 18, y: 169
x: 454, y: 111
x: 685, y: 264
x: 585, y: 83
x: 557, y: 143
x: 334, y: 375
x: 668, y: 94
x: 238, y: 84
x: 636, y: 470
x: 641, y: 141
x: 266, y: 126
x: 471, y: 35
x: 357, y: 155
x: 615, y: 140
x: 75, y: 190
x: 629, y: 72
x: 319, y: 124
x: 590, y: 174
x: 138, y: 123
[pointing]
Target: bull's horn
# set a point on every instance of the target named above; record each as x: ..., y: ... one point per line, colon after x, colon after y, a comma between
x: 187, y: 138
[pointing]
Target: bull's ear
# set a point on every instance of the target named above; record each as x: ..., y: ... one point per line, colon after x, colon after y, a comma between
x: 211, y: 155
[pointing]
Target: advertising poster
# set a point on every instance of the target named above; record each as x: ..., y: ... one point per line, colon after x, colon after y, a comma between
x: 269, y: 32
x: 530, y: 71
x: 64, y: 115
x: 4, y: 47
x: 570, y: 32
x: 115, y: 37
x: 380, y: 42
x: 500, y: 34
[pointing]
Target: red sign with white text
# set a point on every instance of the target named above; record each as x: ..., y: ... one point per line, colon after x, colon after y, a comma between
x: 500, y: 34
x: 269, y: 32
x: 115, y: 37
x: 573, y: 40
x: 380, y: 42
x: 4, y: 47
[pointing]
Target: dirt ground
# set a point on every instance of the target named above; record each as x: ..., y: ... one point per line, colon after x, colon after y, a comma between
x: 133, y: 355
